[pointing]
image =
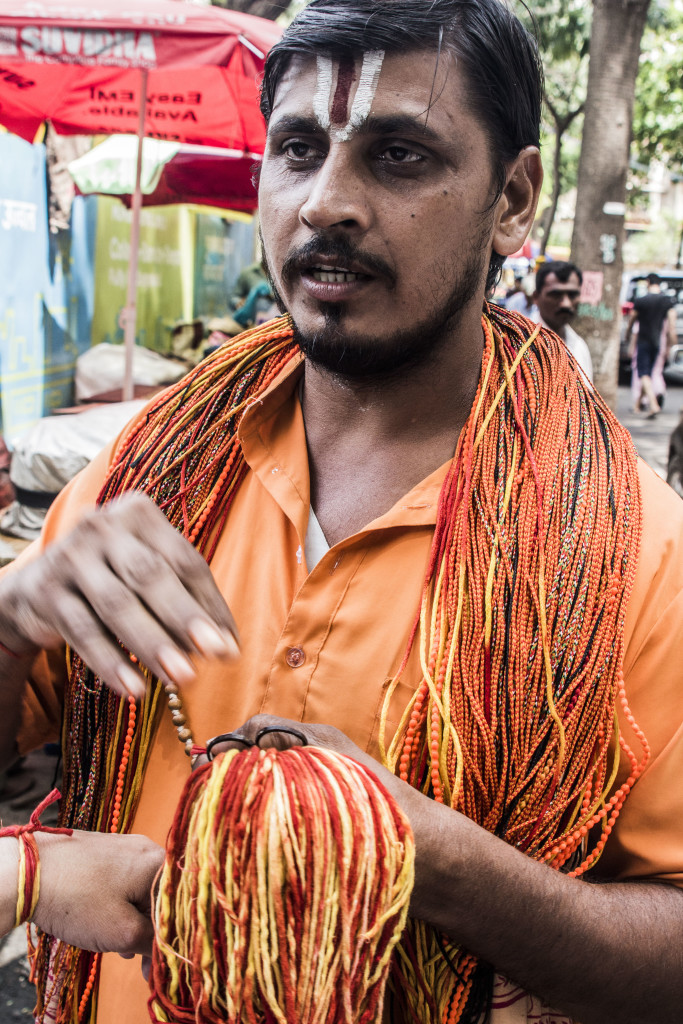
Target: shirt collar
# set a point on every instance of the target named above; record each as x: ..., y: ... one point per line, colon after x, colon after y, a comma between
x: 273, y: 440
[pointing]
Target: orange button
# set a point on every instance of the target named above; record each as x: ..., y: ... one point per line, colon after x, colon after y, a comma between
x: 295, y: 657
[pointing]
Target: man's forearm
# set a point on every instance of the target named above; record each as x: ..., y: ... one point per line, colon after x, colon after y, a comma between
x: 600, y: 953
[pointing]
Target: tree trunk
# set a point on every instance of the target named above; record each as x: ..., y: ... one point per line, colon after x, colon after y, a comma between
x: 601, y: 193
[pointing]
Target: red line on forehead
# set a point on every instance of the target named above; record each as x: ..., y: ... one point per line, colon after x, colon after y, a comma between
x: 345, y: 79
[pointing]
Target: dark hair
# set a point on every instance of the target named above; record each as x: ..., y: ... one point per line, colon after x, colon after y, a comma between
x: 498, y: 57
x: 562, y: 271
x: 654, y: 279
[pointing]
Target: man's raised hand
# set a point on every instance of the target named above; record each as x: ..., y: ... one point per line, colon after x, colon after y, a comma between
x: 124, y: 575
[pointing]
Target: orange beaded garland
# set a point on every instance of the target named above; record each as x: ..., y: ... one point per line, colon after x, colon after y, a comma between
x: 520, y: 627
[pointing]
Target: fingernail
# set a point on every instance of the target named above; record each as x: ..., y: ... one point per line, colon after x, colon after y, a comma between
x: 176, y: 665
x: 211, y: 642
x: 131, y: 681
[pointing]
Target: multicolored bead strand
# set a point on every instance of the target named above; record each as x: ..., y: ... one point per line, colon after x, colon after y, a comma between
x: 519, y: 630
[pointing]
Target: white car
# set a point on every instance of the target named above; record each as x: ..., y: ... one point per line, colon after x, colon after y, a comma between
x: 673, y: 371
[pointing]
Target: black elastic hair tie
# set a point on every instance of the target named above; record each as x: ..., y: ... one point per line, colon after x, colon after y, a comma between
x: 225, y: 737
x: 279, y: 728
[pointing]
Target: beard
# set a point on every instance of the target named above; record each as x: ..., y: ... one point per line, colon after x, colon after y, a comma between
x: 368, y: 359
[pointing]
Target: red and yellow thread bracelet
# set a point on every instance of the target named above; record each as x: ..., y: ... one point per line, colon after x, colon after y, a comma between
x: 28, y: 888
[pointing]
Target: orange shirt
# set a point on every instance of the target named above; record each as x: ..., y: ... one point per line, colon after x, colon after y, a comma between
x: 322, y: 646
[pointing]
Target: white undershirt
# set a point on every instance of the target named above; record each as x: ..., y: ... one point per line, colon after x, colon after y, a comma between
x: 315, y: 545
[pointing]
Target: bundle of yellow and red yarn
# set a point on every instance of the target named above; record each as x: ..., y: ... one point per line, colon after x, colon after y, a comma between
x: 285, y: 889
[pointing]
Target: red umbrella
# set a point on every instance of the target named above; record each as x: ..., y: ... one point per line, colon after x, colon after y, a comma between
x: 172, y: 173
x: 80, y: 67
x: 208, y: 177
x: 164, y: 68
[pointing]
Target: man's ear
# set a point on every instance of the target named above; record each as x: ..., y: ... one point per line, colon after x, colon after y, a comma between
x: 517, y: 206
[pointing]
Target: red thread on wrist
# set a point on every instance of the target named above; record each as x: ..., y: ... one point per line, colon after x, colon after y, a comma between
x: 29, y: 858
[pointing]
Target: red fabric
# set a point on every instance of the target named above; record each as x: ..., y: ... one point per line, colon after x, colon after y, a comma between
x: 83, y: 73
x: 207, y: 178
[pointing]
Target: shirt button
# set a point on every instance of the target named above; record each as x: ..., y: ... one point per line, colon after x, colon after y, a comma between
x: 295, y: 657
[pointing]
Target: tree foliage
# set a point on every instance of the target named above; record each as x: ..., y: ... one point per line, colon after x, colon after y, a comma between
x: 658, y: 112
x: 563, y: 33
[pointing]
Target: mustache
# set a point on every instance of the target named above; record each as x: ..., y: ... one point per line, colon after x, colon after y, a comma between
x: 339, y: 249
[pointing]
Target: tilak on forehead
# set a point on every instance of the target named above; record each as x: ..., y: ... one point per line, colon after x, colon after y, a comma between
x: 331, y: 100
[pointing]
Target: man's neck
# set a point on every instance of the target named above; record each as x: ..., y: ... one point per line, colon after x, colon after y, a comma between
x: 370, y: 444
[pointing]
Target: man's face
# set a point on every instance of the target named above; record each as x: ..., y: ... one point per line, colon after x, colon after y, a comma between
x: 374, y: 198
x: 557, y: 300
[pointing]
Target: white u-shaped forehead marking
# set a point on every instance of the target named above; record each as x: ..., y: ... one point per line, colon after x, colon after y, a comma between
x: 322, y: 100
x: 362, y: 101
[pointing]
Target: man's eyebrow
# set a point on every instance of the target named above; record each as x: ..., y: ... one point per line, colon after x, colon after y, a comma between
x: 386, y: 124
x: 399, y: 124
x: 295, y: 124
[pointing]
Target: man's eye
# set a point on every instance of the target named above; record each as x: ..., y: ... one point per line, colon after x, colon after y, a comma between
x: 400, y: 155
x: 299, y: 151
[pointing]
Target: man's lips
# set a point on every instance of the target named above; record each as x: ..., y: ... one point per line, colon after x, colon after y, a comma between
x: 334, y: 274
x: 333, y: 270
x: 325, y: 284
x: 328, y: 280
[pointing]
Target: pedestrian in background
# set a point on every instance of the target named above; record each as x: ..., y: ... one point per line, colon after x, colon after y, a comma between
x: 556, y: 298
x: 650, y: 311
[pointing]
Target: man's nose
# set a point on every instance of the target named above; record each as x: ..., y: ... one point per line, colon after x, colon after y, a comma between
x: 337, y: 196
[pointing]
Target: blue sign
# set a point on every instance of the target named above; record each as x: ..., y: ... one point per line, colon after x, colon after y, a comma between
x: 46, y: 290
x: 23, y: 280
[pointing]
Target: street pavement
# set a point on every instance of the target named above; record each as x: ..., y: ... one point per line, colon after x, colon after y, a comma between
x: 651, y: 438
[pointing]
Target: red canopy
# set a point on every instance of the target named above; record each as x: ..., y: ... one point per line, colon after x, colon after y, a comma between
x: 79, y: 65
x: 202, y: 175
x: 207, y: 178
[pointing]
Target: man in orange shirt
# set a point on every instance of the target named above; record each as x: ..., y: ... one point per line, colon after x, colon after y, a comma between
x: 417, y: 441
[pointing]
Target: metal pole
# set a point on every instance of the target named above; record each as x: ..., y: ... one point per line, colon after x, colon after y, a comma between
x: 130, y: 312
